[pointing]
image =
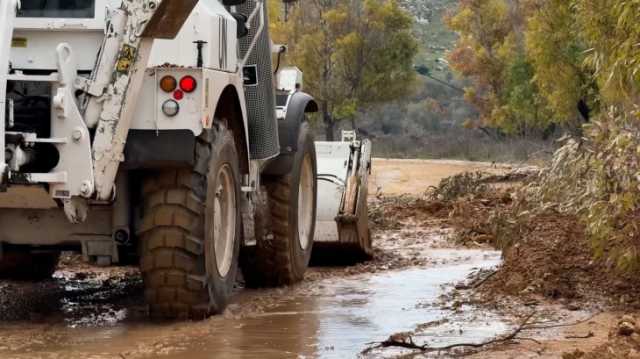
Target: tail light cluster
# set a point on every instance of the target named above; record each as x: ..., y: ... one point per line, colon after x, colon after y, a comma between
x: 170, y: 84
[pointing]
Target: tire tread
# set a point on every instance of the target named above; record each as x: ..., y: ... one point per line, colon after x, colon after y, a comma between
x: 171, y: 253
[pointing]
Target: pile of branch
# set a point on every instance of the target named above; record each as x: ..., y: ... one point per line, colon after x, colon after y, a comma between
x: 522, y: 174
x: 405, y: 340
x: 477, y: 183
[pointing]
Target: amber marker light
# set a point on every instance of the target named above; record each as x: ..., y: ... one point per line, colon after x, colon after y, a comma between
x: 168, y: 84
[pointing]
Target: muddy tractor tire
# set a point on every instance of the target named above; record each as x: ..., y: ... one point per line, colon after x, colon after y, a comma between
x: 282, y: 258
x: 19, y: 264
x: 190, y: 232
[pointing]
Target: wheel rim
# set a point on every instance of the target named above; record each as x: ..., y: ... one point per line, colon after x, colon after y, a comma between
x: 224, y: 219
x: 305, y: 203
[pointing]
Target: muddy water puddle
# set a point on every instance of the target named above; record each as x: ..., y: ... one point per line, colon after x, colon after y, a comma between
x: 330, y: 318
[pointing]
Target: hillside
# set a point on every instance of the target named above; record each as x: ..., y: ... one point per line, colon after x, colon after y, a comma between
x: 435, y: 38
x: 431, y: 123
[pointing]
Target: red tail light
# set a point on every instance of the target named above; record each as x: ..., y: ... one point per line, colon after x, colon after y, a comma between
x: 188, y: 84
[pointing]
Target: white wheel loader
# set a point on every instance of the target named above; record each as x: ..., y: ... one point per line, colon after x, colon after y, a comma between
x: 151, y: 131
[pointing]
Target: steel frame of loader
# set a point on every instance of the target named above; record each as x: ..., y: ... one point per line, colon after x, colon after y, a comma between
x: 106, y: 135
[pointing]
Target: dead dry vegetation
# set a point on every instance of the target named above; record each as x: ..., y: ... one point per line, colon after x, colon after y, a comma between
x: 545, y: 252
x: 548, y: 255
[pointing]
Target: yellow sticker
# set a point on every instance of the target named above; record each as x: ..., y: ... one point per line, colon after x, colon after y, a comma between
x: 125, y: 58
x: 19, y: 42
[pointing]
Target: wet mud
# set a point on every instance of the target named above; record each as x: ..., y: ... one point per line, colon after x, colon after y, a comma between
x: 332, y: 317
x: 336, y: 312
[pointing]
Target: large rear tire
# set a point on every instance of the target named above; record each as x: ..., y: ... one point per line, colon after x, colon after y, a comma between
x: 24, y: 265
x: 283, y: 257
x: 190, y: 233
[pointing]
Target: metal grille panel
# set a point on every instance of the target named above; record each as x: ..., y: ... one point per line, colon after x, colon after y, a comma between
x: 263, y: 126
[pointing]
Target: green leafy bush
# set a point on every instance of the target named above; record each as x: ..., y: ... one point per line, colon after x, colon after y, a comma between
x: 598, y: 178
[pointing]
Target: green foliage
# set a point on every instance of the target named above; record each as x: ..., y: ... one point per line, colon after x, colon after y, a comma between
x: 525, y: 110
x: 598, y: 179
x: 610, y: 28
x: 354, y: 54
x: 533, y: 63
x: 557, y: 54
x: 457, y: 186
x: 579, y: 51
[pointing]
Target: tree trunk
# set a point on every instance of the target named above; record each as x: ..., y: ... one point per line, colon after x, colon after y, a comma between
x: 329, y: 123
x: 329, y: 130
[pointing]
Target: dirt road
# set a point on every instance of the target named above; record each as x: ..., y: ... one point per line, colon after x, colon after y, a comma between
x: 397, y: 177
x: 94, y: 313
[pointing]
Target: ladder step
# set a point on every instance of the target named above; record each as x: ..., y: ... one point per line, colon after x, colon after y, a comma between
x: 34, y: 78
x: 57, y: 177
x: 33, y: 138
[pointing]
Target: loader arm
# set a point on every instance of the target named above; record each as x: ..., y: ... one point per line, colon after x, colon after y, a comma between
x: 122, y: 75
x: 8, y: 11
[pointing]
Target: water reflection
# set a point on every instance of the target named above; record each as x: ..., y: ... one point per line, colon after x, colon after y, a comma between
x: 336, y: 318
x: 355, y: 311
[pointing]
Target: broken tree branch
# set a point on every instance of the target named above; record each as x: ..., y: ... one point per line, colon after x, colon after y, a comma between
x: 477, y: 282
x: 405, y: 340
x: 561, y: 325
x: 484, y: 280
x: 586, y: 336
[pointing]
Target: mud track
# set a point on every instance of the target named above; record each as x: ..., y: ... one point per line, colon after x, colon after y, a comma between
x: 87, y: 312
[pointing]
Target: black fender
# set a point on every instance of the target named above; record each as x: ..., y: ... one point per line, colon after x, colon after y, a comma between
x: 298, y: 105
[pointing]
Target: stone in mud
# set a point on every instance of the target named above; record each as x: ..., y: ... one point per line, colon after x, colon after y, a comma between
x: 576, y: 354
x: 528, y: 290
x: 626, y: 328
x: 628, y: 318
x: 573, y: 307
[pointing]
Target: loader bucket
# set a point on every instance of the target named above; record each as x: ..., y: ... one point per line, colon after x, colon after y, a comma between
x: 342, y: 222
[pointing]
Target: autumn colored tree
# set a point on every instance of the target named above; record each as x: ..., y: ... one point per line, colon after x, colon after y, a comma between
x: 354, y: 54
x: 483, y: 27
x: 491, y: 53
